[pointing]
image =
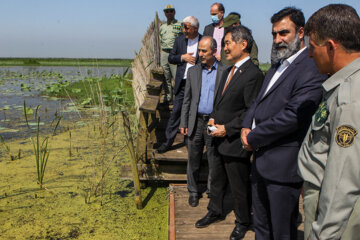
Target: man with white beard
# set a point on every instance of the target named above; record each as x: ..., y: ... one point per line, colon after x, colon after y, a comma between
x: 275, y: 125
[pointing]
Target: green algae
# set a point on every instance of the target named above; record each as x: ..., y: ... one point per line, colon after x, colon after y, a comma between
x: 60, y: 212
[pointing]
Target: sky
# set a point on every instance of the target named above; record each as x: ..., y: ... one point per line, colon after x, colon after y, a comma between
x: 115, y: 28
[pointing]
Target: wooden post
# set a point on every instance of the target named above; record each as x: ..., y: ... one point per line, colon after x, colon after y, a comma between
x: 133, y: 156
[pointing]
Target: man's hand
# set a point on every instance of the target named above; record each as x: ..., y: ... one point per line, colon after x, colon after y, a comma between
x: 184, y: 131
x: 188, y: 57
x: 211, y: 122
x: 244, y: 134
x: 220, y: 131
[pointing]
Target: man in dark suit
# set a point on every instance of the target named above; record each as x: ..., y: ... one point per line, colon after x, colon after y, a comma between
x: 201, y: 86
x: 217, y: 12
x: 275, y: 125
x: 238, y: 87
x: 184, y: 54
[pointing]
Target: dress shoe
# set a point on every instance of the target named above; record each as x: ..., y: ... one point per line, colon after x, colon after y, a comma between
x: 193, y: 200
x: 238, y: 232
x: 209, y: 218
x: 163, y: 148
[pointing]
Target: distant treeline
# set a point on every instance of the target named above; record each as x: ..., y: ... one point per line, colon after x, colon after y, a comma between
x: 65, y: 62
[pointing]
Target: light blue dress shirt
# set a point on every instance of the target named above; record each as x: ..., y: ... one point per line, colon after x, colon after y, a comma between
x: 207, y: 89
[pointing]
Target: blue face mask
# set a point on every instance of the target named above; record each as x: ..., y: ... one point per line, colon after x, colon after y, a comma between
x: 215, y: 19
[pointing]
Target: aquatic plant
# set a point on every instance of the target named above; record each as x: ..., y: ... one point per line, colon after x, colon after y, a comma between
x: 41, y: 153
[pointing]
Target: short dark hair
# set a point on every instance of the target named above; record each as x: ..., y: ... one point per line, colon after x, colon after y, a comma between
x: 239, y: 33
x: 296, y: 16
x: 339, y: 22
x: 220, y: 6
x: 213, y: 43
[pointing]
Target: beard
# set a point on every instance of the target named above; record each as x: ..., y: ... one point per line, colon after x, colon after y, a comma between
x: 283, y: 51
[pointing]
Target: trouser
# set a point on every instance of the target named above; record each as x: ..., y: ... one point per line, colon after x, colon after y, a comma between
x: 196, y: 143
x: 174, y: 120
x: 235, y: 172
x: 311, y: 198
x: 169, y: 73
x: 275, y: 207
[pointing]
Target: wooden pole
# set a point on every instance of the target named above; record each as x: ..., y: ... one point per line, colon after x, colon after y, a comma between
x: 133, y: 156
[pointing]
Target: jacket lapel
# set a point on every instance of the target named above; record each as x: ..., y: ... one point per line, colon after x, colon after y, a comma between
x: 198, y: 82
x: 219, y: 75
x: 234, y: 79
x: 290, y: 68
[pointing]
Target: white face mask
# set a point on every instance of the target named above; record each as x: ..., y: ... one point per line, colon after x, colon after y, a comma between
x: 215, y: 19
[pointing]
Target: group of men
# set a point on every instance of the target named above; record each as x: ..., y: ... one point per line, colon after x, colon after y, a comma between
x: 298, y: 122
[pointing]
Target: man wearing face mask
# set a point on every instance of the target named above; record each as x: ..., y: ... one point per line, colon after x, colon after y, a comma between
x: 214, y: 29
x: 275, y: 126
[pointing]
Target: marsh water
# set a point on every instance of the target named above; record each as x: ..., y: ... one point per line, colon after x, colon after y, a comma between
x: 28, y: 83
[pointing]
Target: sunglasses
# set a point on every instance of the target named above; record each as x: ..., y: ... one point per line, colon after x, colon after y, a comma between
x: 168, y: 11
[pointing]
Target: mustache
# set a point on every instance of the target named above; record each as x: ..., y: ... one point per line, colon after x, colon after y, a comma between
x: 281, y: 45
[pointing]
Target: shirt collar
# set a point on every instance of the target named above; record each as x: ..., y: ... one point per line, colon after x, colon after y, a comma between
x: 194, y: 40
x: 293, y: 57
x: 241, y: 62
x: 213, y: 67
x: 173, y: 21
x: 341, y: 75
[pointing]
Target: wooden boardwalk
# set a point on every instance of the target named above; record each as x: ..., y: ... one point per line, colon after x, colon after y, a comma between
x: 182, y: 218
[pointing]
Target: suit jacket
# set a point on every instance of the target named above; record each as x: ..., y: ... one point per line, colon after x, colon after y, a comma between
x: 209, y: 30
x: 282, y: 118
x: 180, y: 47
x: 230, y: 107
x: 192, y: 94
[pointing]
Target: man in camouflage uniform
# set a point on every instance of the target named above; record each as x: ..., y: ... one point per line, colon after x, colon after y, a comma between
x: 168, y: 32
x: 329, y: 158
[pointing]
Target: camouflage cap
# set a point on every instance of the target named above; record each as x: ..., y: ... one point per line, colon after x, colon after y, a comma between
x: 230, y: 20
x: 169, y: 7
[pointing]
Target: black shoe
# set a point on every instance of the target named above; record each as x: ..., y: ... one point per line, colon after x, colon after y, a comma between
x: 194, y: 200
x: 209, y: 218
x: 163, y: 148
x: 238, y: 232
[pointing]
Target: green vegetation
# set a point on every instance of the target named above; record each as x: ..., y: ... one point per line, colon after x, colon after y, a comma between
x: 115, y: 89
x: 264, y: 67
x: 65, y: 62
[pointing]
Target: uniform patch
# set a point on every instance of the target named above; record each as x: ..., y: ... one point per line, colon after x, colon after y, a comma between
x: 321, y: 113
x: 345, y: 135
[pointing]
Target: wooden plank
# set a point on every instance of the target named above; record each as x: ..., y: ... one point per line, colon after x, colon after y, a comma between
x: 186, y: 216
x: 172, y: 215
x: 154, y: 87
x: 150, y: 104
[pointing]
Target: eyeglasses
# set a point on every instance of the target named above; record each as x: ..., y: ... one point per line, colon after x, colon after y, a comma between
x: 168, y: 11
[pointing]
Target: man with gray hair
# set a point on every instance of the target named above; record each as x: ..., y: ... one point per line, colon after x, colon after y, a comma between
x: 184, y: 54
x: 329, y: 157
x: 238, y: 87
x: 201, y: 86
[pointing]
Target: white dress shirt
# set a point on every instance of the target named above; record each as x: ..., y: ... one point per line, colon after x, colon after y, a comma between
x: 279, y: 71
x: 192, y: 47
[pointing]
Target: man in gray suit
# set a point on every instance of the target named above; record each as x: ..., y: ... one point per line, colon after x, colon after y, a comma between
x: 201, y: 86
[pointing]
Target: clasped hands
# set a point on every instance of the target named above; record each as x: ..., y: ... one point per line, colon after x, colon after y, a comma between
x: 243, y: 137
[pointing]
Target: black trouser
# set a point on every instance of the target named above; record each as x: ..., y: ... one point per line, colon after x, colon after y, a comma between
x: 196, y: 143
x: 174, y: 120
x: 236, y: 172
x: 275, y: 207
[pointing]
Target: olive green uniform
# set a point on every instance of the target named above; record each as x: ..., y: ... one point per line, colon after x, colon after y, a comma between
x: 329, y: 160
x: 168, y: 32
